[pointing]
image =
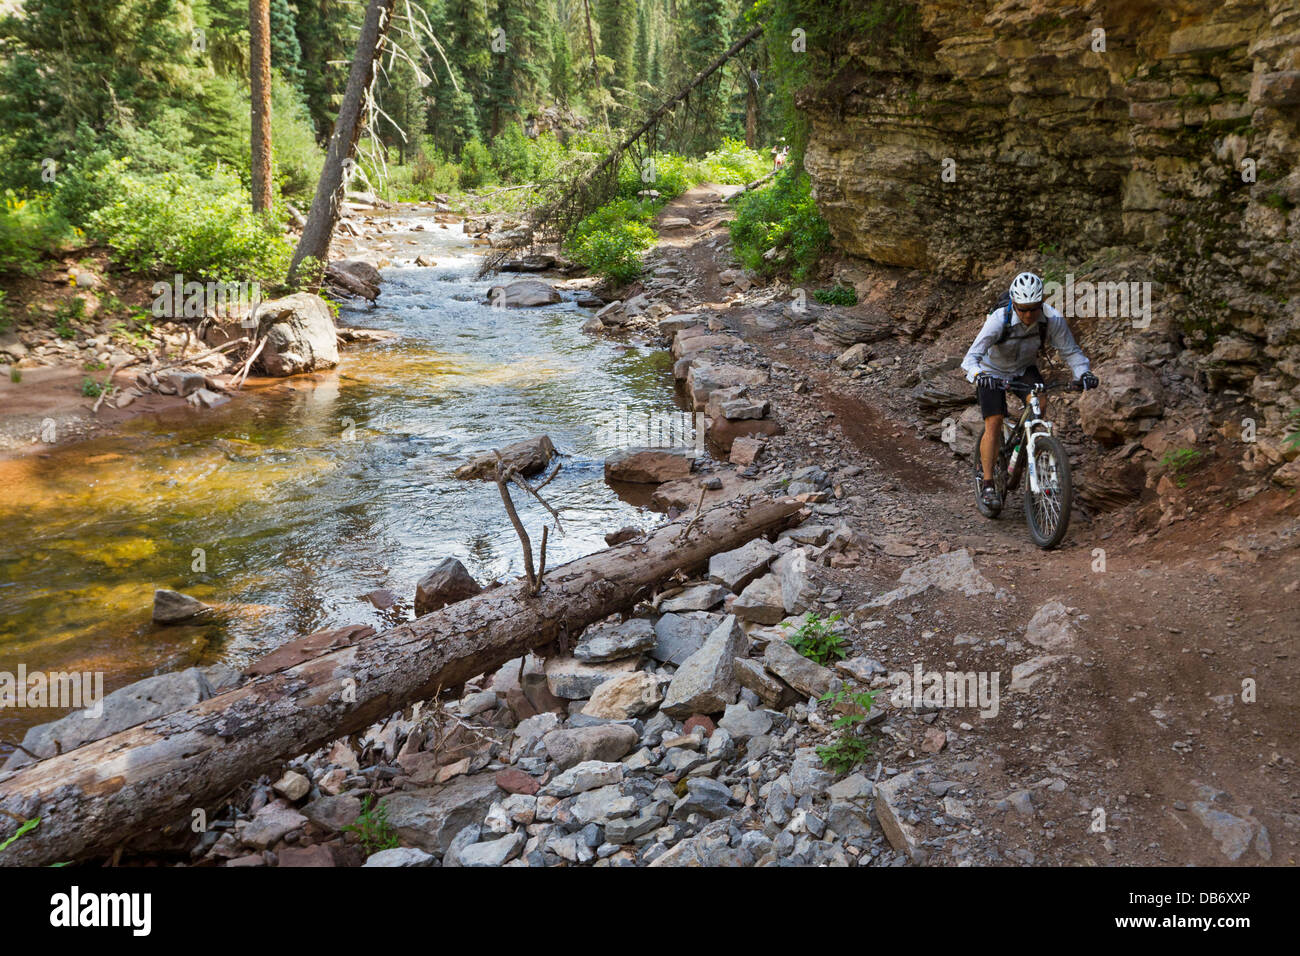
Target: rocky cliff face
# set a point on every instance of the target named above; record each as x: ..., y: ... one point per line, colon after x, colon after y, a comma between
x: 1007, y: 136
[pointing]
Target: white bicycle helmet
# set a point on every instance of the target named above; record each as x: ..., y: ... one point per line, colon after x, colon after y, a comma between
x: 1026, y: 289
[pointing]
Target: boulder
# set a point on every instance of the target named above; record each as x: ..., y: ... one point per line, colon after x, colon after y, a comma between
x: 648, y: 465
x: 704, y: 378
x: 699, y: 597
x: 527, y: 457
x: 447, y: 583
x: 522, y: 294
x: 430, y: 818
x: 1115, y: 411
x: 300, y: 335
x: 573, y: 679
x: 612, y: 642
x: 735, y: 569
x: 804, y: 675
x: 770, y: 691
x: 706, y: 682
x: 760, y: 602
x: 400, y: 856
x: 172, y: 607
x: 678, y: 636
x: 623, y: 697
x: 603, y: 742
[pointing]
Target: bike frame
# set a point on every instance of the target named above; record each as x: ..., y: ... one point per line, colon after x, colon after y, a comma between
x: 1034, y: 427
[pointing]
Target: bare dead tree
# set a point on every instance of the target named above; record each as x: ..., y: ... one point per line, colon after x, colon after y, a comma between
x: 505, y: 475
x: 324, y: 213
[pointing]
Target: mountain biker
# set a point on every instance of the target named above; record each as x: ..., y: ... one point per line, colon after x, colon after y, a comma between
x: 1005, y: 350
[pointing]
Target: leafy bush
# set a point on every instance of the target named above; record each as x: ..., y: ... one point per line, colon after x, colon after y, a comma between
x: 29, y: 229
x: 610, y: 240
x: 782, y: 216
x: 733, y: 164
x: 197, y: 225
x: 90, y: 388
x: 816, y: 639
x: 844, y: 754
x: 1178, y: 462
x: 475, y: 165
x: 373, y: 828
x: 518, y: 159
x: 837, y: 295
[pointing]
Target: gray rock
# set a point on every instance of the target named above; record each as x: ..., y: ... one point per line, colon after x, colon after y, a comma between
x: 616, y: 641
x: 607, y: 742
x: 761, y: 601
x: 493, y: 852
x: 900, y: 833
x: 720, y: 745
x: 804, y: 675
x: 678, y: 636
x: 466, y: 837
x: 300, y: 335
x: 572, y: 679
x: 798, y: 592
x: 270, y: 824
x: 400, y: 856
x: 807, y: 775
x: 742, y: 723
x: 753, y: 676
x: 522, y: 294
x: 849, y: 821
x: 172, y: 607
x: 1051, y: 627
x: 954, y: 571
x: 851, y: 788
x: 704, y: 796
x: 530, y: 731
x: 602, y: 805
x: 447, y: 583
x: 699, y: 597
x: 333, y: 813
x: 587, y: 775
x: 706, y: 681
x: 626, y: 830
x: 735, y: 569
x: 431, y: 818
x: 527, y: 457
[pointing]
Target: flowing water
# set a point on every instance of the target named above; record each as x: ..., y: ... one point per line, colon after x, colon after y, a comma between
x: 288, y: 506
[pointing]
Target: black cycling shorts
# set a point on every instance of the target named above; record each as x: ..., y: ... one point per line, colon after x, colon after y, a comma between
x: 993, y: 401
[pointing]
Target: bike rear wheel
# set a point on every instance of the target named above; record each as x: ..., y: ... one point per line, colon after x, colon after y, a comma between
x: 1048, y: 511
x: 999, y: 478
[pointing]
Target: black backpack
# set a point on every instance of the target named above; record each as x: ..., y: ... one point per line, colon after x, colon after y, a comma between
x: 1005, y: 305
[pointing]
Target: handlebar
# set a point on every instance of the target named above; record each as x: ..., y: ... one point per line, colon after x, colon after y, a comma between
x: 1025, y: 388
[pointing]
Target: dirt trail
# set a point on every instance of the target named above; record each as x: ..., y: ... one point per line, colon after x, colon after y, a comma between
x: 1142, y: 717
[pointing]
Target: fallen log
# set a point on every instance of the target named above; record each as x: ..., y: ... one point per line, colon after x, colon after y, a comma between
x: 91, y: 800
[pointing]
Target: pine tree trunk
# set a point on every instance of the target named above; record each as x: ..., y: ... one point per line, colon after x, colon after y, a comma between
x: 259, y: 79
x: 324, y: 213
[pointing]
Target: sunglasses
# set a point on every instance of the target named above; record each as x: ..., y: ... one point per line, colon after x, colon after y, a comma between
x: 1029, y: 309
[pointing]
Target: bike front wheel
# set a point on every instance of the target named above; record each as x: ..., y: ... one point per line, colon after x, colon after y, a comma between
x: 1048, y: 511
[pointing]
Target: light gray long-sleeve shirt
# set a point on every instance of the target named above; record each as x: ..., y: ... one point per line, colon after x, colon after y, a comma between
x: 1020, y: 350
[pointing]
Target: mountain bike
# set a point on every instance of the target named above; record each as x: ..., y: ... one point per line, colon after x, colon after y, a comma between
x: 1029, y: 446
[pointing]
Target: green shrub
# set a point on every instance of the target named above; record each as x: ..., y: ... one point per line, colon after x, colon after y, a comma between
x: 781, y: 216
x: 373, y: 828
x: 733, y: 164
x: 4, y: 312
x: 29, y: 230
x: 844, y: 754
x: 475, y: 165
x: 817, y: 640
x: 609, y: 242
x: 837, y: 295
x: 200, y: 226
x: 90, y: 388
x: 1178, y: 462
